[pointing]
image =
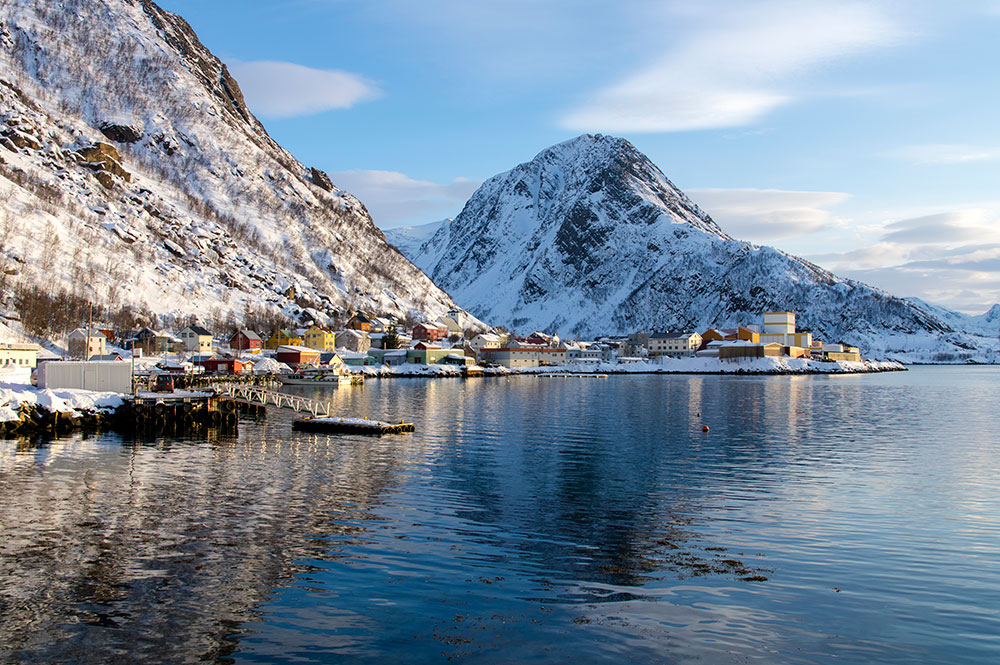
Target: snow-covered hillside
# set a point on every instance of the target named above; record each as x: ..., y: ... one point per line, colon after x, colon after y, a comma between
x: 409, y: 239
x: 132, y: 172
x: 590, y: 237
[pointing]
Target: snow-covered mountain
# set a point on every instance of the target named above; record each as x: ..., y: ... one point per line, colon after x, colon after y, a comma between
x: 409, y: 239
x: 590, y: 237
x: 133, y: 173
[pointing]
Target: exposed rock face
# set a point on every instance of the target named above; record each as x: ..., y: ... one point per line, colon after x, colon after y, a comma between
x: 321, y: 179
x: 590, y: 237
x: 105, y: 158
x: 121, y: 133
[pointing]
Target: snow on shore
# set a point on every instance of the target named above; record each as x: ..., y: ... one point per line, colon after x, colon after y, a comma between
x: 667, y: 366
x: 16, y: 391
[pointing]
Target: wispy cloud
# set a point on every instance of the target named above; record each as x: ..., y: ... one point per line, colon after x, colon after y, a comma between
x: 745, y: 62
x: 394, y: 198
x: 945, y: 153
x: 286, y: 89
x: 951, y: 257
x: 946, y: 228
x: 764, y: 215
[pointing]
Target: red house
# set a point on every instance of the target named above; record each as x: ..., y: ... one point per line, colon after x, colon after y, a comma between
x: 246, y: 340
x: 297, y: 355
x: 223, y: 365
x: 432, y: 332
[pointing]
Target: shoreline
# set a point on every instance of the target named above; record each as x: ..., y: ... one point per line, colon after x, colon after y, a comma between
x: 758, y: 367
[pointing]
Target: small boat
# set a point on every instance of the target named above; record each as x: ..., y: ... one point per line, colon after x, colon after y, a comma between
x: 320, y: 377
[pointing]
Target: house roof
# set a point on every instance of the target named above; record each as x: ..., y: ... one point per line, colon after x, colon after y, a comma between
x: 196, y: 329
x: 286, y: 348
x: 201, y: 357
x: 672, y: 335
x: 249, y: 334
x: 82, y: 332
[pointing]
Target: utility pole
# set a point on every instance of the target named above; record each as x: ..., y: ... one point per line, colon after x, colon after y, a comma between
x: 90, y: 322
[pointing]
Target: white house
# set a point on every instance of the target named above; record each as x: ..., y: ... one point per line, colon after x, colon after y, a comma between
x: 524, y: 356
x: 79, y: 346
x: 353, y: 340
x: 485, y: 341
x: 674, y: 344
x: 196, y: 339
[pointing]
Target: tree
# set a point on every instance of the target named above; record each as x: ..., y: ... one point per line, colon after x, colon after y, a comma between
x: 391, y: 338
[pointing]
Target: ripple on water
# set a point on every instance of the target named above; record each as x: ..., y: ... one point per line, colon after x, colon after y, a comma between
x: 818, y: 520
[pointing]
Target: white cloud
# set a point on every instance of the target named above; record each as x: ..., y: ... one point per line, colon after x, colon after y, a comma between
x: 948, y: 257
x: 746, y: 63
x: 764, y: 215
x: 285, y: 89
x: 394, y: 199
x: 945, y: 153
x: 946, y: 228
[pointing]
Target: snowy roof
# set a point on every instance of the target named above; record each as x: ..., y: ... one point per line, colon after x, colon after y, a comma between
x: 249, y: 334
x: 672, y: 335
x: 294, y: 347
x: 82, y: 332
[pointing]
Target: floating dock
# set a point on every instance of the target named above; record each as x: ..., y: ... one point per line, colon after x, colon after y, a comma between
x: 351, y: 426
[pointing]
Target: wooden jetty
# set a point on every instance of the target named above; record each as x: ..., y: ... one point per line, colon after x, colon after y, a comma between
x: 181, y: 411
x: 351, y: 426
x: 564, y: 375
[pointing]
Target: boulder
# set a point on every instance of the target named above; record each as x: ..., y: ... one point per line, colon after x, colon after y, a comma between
x: 121, y: 133
x: 21, y: 139
x: 321, y: 179
x: 103, y: 157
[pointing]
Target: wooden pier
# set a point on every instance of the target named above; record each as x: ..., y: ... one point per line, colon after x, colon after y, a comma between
x: 351, y: 426
x: 181, y: 412
x: 564, y: 375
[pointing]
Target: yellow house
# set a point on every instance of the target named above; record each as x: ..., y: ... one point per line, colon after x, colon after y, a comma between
x: 320, y: 338
x: 779, y: 328
x: 18, y: 355
x: 283, y: 338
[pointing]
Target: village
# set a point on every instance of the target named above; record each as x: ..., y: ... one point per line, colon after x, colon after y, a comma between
x: 370, y: 345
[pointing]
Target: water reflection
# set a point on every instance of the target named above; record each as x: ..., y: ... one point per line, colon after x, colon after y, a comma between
x: 593, y: 517
x: 160, y: 552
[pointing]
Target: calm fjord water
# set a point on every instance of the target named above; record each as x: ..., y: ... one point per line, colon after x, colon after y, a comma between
x: 821, y: 519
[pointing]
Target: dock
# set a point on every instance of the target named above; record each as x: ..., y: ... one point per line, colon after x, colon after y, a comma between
x: 351, y: 426
x: 564, y: 375
x: 181, y: 411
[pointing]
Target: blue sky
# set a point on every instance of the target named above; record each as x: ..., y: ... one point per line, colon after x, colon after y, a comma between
x: 860, y: 135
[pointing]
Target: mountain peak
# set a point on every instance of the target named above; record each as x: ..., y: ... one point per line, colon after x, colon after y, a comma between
x: 590, y: 237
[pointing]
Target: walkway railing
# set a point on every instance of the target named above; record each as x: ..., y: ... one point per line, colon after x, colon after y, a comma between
x: 266, y: 397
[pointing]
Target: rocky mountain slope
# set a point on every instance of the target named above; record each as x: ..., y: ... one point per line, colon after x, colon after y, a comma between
x: 590, y: 237
x: 133, y: 173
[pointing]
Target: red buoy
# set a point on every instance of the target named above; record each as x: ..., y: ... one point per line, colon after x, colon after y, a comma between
x: 704, y: 428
